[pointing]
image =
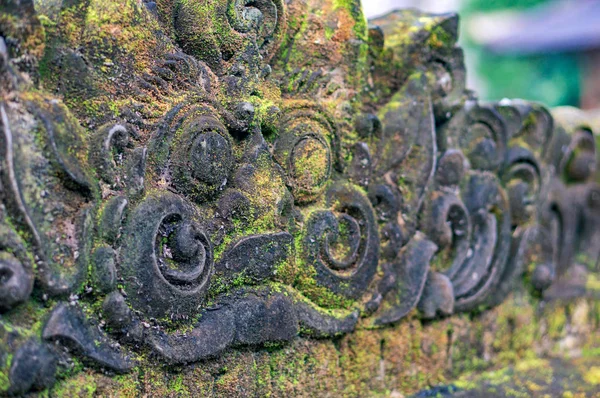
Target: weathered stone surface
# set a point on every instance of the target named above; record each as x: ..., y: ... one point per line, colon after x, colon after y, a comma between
x: 236, y: 198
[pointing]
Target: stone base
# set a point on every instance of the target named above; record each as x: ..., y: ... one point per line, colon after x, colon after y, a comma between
x: 397, y: 361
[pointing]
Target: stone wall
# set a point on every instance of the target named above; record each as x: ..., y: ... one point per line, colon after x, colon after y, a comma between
x: 236, y: 197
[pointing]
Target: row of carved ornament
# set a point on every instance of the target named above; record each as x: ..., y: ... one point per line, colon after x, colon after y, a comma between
x: 440, y: 207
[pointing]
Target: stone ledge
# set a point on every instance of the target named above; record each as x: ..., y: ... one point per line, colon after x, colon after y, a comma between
x: 395, y: 362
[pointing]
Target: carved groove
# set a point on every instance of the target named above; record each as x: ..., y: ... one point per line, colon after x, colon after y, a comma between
x: 211, y: 180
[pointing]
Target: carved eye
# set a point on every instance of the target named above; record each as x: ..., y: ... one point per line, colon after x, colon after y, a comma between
x: 202, y: 157
x: 210, y: 157
x: 341, y: 248
x: 483, y: 147
x: 265, y: 17
x: 446, y: 221
x: 451, y: 168
x: 443, y: 79
x: 304, y: 150
x: 536, y: 125
x: 310, y: 163
x: 108, y: 147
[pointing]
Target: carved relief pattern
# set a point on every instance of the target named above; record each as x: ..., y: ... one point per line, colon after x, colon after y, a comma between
x: 237, y: 176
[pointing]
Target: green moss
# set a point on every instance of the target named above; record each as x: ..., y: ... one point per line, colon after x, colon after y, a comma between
x: 306, y: 283
x: 440, y: 38
x: 177, y: 385
x: 81, y: 385
x: 4, y: 371
x: 592, y: 375
x: 127, y: 385
x: 556, y: 319
x: 360, y: 22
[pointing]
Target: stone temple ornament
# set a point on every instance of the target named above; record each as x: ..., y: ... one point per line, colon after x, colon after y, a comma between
x: 183, y: 178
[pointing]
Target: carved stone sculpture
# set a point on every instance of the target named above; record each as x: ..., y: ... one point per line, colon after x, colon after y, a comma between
x: 180, y: 178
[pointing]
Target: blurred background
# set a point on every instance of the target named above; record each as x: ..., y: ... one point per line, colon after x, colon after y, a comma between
x: 540, y: 50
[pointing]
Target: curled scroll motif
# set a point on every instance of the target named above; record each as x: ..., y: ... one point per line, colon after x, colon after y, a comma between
x: 393, y: 235
x: 265, y: 18
x: 289, y: 191
x: 589, y: 232
x: 556, y: 239
x: 233, y: 38
x: 16, y: 268
x: 473, y: 234
x: 472, y: 229
x: 568, y: 210
x: 484, y: 140
x: 448, y: 68
x: 556, y: 235
x: 449, y: 226
x: 445, y: 219
x: 48, y: 190
x: 307, y: 150
x: 579, y: 161
x: 168, y: 259
x: 522, y: 178
x: 490, y: 222
x: 529, y: 125
x: 107, y: 152
x: 342, y: 244
x: 199, y: 150
x: 529, y: 130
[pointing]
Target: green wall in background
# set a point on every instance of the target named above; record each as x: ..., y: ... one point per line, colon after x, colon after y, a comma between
x: 553, y: 79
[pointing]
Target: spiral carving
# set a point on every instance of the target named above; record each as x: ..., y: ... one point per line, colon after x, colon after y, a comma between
x: 387, y: 208
x: 480, y: 132
x: 306, y: 149
x: 529, y: 127
x: 579, y: 161
x: 199, y: 149
x: 342, y: 244
x: 449, y: 227
x: 448, y: 68
x: 473, y: 230
x: 264, y: 18
x: 208, y: 190
x: 491, y: 232
x: 108, y: 149
x: 168, y: 259
x: 528, y: 130
x: 522, y: 179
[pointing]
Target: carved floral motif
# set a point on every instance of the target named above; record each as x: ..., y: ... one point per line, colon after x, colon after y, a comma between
x: 181, y: 178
